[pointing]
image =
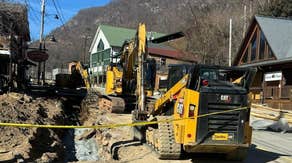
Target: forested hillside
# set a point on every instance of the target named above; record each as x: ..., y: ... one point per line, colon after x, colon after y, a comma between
x: 205, y: 22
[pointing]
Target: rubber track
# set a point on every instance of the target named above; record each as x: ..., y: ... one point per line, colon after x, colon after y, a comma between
x: 168, y: 148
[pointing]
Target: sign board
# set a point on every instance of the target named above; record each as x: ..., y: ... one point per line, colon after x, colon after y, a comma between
x: 37, y: 55
x: 273, y: 76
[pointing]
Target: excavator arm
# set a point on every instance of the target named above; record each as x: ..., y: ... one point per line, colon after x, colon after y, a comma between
x: 170, y: 94
x: 84, y: 74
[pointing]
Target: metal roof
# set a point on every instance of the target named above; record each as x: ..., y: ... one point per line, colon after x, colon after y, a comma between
x: 278, y: 33
x: 117, y: 35
x: 161, y: 50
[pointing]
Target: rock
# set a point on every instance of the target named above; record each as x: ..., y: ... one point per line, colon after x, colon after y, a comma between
x: 106, y: 139
x: 280, y: 125
x: 86, y: 135
x: 7, y: 157
x: 20, y: 160
x: 27, y: 98
x: 48, y: 157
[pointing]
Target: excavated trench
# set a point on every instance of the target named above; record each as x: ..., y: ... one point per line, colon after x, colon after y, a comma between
x: 42, y: 144
x: 77, y: 149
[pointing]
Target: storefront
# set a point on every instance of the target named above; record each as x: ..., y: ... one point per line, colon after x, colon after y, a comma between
x: 267, y: 47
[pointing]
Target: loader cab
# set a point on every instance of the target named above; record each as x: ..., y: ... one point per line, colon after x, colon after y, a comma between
x: 220, y: 89
x: 177, y: 72
x: 203, y: 77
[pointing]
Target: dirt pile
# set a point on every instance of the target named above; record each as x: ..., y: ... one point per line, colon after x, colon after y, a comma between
x: 114, y: 144
x: 30, y: 144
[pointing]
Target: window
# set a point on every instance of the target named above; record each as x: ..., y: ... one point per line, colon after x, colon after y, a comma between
x: 162, y: 61
x: 262, y: 45
x: 223, y: 77
x: 253, y: 48
x: 100, y: 45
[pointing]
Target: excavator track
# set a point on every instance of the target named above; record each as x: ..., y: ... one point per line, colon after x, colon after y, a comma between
x: 163, y: 142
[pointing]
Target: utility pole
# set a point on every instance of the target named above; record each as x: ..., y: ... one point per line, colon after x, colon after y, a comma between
x: 42, y: 23
x: 250, y: 8
x: 244, y: 21
x: 41, y: 41
x: 84, y: 49
x: 86, y: 36
x: 230, y: 41
x: 41, y: 38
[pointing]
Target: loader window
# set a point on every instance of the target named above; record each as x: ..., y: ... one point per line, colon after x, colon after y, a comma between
x: 174, y: 75
x: 223, y: 77
x: 210, y: 74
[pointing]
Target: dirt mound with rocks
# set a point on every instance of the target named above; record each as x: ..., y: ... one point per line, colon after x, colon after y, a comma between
x: 111, y: 142
x: 30, y: 144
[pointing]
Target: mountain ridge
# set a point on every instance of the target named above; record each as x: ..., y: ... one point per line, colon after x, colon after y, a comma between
x: 164, y: 16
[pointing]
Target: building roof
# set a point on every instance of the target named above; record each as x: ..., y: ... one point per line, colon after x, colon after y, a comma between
x: 162, y: 50
x: 117, y: 35
x: 278, y: 34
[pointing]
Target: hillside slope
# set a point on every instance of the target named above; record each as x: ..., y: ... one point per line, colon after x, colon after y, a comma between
x: 196, y: 17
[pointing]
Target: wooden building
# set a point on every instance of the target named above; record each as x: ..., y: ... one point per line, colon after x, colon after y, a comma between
x: 268, y: 47
x: 14, y: 35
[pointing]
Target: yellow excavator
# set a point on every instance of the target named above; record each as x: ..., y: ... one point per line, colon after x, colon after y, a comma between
x: 79, y: 76
x: 124, y: 79
x: 121, y: 77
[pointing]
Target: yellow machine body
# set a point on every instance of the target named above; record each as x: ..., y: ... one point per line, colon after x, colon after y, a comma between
x: 113, y: 81
x: 188, y: 102
x: 78, y: 68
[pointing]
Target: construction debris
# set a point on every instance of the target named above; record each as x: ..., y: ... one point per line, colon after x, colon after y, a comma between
x: 105, y: 139
x: 30, y: 144
x: 264, y: 117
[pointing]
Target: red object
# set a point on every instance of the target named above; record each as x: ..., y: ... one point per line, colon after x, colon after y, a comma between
x: 191, y: 113
x: 37, y: 55
x: 189, y: 135
x: 229, y: 99
x: 174, y: 97
x: 205, y: 82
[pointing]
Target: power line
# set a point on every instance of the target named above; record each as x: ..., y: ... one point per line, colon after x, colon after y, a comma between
x: 33, y: 12
x: 58, y: 12
x: 61, y: 17
x: 62, y: 13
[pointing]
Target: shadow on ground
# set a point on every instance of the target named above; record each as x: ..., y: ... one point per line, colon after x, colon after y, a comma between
x: 254, y: 155
x: 116, y: 146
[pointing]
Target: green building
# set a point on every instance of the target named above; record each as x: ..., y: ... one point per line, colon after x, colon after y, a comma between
x: 107, y: 43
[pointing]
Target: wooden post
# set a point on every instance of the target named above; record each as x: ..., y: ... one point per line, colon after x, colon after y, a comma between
x: 263, y: 89
x: 230, y: 42
x: 280, y: 87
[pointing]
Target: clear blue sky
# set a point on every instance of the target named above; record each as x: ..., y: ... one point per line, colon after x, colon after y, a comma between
x: 68, y: 9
